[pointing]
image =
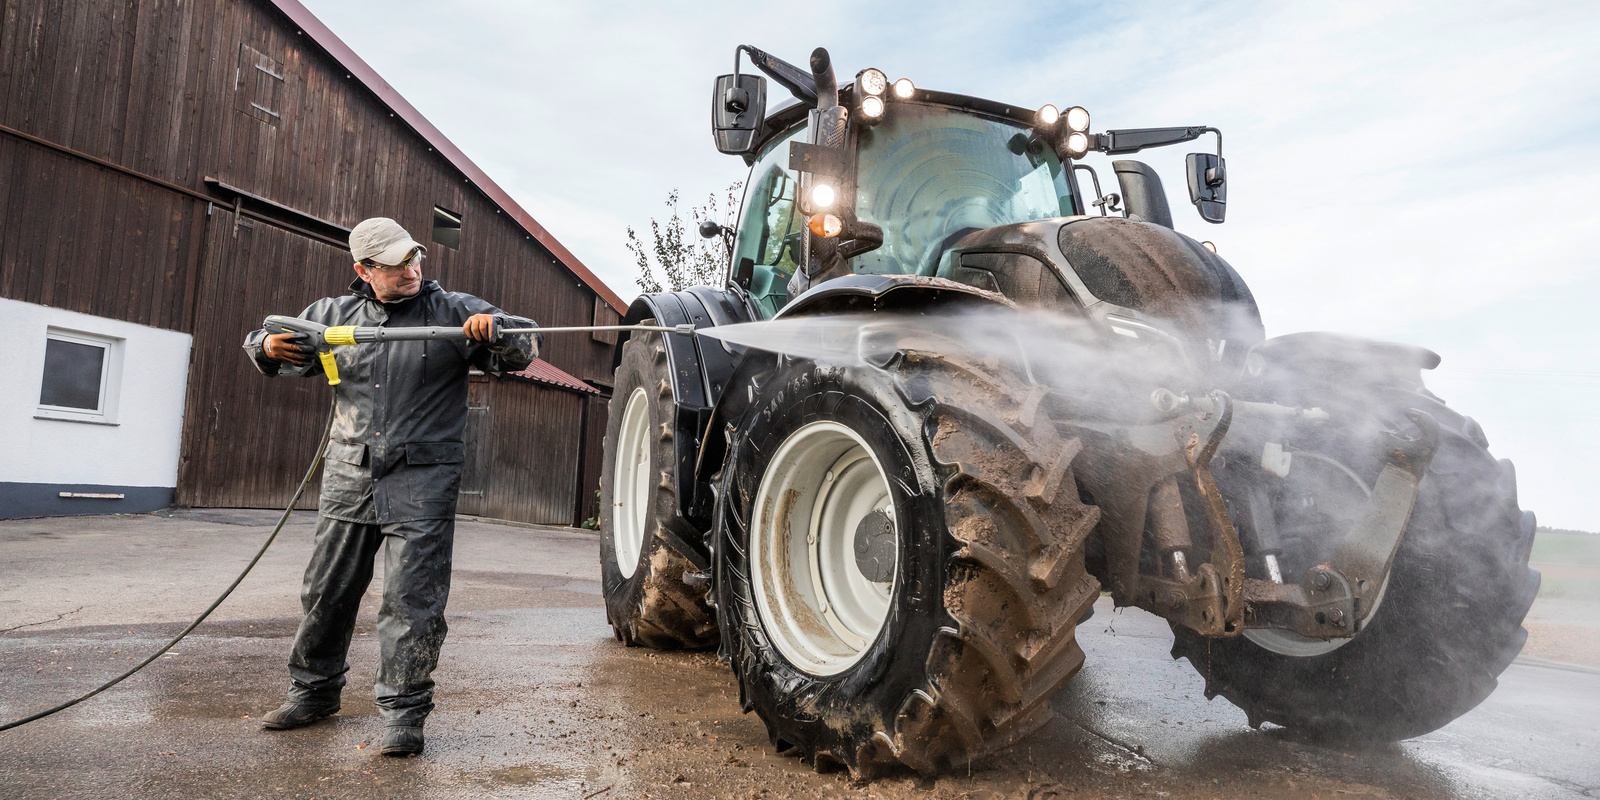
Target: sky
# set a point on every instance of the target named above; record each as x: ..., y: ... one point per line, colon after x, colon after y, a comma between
x: 1419, y: 172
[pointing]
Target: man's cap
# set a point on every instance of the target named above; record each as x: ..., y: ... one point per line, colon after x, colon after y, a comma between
x: 382, y: 240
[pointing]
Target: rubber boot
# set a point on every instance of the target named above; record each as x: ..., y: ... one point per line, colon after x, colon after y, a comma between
x: 297, y: 715
x: 402, y: 740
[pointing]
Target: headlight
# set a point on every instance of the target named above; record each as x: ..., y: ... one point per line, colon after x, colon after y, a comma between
x: 825, y: 225
x: 1077, y: 144
x: 1209, y: 246
x: 1078, y: 119
x: 904, y: 88
x: 872, y: 107
x: 1048, y: 115
x: 822, y: 196
x: 872, y: 82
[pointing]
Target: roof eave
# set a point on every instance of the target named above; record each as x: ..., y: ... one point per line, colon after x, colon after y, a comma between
x: 386, y: 94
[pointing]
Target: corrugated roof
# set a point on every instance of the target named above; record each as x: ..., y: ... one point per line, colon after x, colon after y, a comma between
x: 542, y: 371
x: 358, y: 69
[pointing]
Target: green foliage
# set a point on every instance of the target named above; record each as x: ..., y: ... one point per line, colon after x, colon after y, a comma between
x: 1581, y: 589
x: 681, y: 257
x: 593, y: 522
x: 1566, y: 547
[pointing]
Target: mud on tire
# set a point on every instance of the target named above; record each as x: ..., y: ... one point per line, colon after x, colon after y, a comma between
x: 1449, y: 623
x: 650, y: 605
x: 989, y: 578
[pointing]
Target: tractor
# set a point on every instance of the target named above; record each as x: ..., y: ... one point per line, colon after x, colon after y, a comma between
x: 893, y: 549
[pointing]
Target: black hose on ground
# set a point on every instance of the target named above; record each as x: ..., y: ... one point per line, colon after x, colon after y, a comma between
x: 321, y: 448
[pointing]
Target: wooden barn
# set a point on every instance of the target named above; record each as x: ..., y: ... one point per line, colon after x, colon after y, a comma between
x: 172, y: 172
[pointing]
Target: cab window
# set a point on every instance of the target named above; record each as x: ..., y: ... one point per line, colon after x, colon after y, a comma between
x: 770, y: 225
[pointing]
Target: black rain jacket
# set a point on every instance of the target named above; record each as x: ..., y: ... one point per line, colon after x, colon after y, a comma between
x: 396, y: 449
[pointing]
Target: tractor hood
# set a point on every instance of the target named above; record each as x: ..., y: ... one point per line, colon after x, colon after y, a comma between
x: 1116, y: 268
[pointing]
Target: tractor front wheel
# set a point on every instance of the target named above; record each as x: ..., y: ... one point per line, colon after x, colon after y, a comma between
x: 900, y: 561
x: 645, y: 545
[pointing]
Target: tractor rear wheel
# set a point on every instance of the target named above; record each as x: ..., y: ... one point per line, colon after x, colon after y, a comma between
x: 1448, y: 621
x: 644, y: 543
x: 900, y: 561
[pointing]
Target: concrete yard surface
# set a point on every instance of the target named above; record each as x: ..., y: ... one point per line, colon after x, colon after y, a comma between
x: 537, y: 699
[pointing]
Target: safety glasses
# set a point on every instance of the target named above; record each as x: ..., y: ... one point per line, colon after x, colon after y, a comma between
x: 413, y: 260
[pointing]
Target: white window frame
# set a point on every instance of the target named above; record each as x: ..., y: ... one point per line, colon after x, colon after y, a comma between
x: 110, y: 378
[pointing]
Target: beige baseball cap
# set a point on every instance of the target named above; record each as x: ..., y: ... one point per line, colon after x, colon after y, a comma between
x: 382, y: 240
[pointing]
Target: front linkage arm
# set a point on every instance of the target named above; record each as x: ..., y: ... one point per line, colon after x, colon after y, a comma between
x: 1331, y: 600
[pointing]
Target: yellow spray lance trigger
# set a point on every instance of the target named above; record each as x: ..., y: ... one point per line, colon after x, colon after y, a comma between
x: 329, y: 366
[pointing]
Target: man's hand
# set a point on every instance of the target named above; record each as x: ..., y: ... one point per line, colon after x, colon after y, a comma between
x: 480, y: 327
x: 283, y: 347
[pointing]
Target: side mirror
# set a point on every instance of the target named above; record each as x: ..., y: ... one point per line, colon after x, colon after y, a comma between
x: 1208, y: 185
x: 738, y: 106
x: 1142, y: 193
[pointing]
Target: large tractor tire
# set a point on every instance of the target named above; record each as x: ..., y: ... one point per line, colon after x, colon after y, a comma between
x: 902, y: 561
x: 1446, y: 624
x: 644, y: 550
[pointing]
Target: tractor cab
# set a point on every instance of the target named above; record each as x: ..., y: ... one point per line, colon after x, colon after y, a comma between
x: 887, y: 177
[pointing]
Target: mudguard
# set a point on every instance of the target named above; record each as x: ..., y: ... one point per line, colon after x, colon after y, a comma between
x: 700, y: 371
x: 886, y: 293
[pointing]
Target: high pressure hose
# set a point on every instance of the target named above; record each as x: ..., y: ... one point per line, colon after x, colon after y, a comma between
x: 311, y: 470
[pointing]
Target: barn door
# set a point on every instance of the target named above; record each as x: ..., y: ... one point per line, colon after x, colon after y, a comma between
x: 248, y: 438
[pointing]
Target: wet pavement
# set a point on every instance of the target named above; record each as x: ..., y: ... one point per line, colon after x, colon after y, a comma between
x: 537, y: 699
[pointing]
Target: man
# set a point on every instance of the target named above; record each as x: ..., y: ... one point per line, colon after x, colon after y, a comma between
x: 391, y: 476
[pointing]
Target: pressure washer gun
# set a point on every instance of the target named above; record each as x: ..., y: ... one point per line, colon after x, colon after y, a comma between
x: 323, y: 338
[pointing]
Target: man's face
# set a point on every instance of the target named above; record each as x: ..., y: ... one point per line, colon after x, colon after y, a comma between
x: 394, y: 283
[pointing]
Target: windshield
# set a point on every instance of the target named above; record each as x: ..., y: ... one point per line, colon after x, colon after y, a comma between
x: 929, y: 175
x: 770, y: 226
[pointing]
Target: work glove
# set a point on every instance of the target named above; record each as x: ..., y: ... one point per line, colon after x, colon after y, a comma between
x: 285, y: 347
x: 482, y: 328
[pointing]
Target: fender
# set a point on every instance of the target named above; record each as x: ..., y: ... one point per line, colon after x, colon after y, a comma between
x: 887, y: 293
x: 700, y: 372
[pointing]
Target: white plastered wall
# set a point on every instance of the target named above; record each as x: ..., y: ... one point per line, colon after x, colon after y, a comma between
x: 141, y: 446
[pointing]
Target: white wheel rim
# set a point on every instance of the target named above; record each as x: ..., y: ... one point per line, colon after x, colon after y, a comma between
x: 816, y: 604
x: 631, y: 483
x: 1287, y: 642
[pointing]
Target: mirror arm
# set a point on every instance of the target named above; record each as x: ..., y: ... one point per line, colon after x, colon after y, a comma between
x: 1216, y: 176
x: 1132, y: 140
x: 797, y: 81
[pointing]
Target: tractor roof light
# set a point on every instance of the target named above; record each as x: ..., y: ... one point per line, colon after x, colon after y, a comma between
x: 825, y: 225
x: 873, y: 83
x: 822, y: 196
x: 1078, y: 119
x: 872, y: 107
x: 1077, y: 144
x: 1211, y: 246
x: 1047, y: 116
x: 904, y: 89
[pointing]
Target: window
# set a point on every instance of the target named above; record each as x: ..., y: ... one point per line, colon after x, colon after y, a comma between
x: 447, y: 228
x: 81, y: 373
x: 930, y: 175
x: 769, y: 233
x: 258, y: 84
